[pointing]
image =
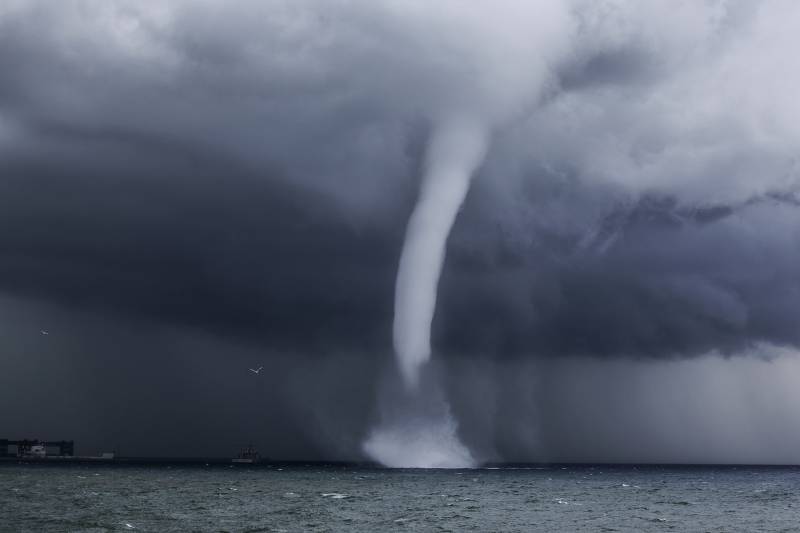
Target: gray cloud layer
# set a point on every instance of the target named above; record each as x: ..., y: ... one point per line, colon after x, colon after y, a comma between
x: 246, y: 169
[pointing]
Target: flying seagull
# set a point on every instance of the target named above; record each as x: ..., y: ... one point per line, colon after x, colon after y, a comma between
x: 256, y: 370
x: 44, y: 332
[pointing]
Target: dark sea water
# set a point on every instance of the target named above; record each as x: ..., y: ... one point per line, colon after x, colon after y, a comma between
x: 338, y: 498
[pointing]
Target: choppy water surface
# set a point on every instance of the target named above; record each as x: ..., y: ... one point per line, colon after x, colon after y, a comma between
x: 337, y: 498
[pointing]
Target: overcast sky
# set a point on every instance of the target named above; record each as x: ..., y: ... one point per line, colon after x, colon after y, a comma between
x: 189, y: 189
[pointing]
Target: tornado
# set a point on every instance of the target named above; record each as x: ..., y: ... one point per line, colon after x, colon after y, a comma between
x: 457, y: 147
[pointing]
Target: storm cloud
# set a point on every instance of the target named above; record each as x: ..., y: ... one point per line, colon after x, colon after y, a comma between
x: 214, y: 185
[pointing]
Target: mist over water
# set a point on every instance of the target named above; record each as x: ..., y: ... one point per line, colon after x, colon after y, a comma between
x: 417, y: 428
x: 421, y: 434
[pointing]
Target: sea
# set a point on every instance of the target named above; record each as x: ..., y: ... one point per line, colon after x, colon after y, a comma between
x: 315, y: 497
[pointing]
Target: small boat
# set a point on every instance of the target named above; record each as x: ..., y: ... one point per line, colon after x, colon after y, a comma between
x: 248, y: 455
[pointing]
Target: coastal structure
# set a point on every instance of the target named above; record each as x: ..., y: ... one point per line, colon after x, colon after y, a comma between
x: 36, y: 448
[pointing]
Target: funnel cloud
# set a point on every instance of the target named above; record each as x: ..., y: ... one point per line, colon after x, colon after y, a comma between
x: 455, y: 151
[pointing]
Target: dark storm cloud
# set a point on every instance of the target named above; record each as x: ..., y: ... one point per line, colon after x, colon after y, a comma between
x: 261, y: 260
x: 184, y: 246
x: 653, y: 280
x: 247, y: 171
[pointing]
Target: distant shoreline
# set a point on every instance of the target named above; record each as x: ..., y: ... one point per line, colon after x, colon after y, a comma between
x: 219, y: 461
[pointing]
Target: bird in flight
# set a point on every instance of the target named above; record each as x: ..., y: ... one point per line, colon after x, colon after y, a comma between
x: 256, y: 370
x: 44, y: 332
